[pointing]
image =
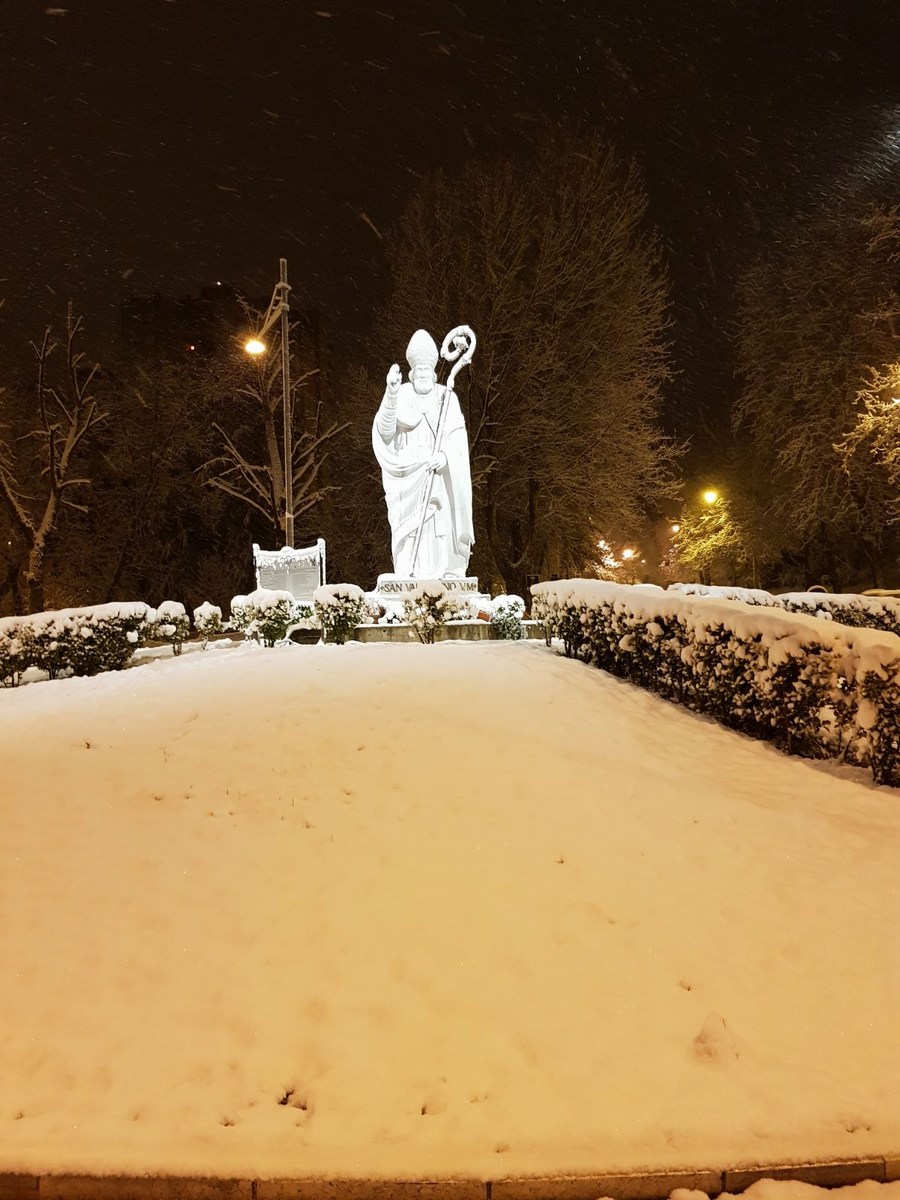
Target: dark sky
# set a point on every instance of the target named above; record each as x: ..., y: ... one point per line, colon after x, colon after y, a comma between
x: 159, y: 145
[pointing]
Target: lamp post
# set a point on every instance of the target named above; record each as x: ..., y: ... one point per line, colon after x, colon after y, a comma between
x: 279, y: 310
x: 628, y: 556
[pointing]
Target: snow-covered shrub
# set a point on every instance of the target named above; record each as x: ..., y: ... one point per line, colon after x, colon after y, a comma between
x: 304, y: 626
x: 273, y: 612
x: 304, y: 616
x: 800, y: 688
x: 814, y: 687
x: 14, y: 652
x: 427, y: 607
x: 172, y: 624
x: 240, y: 615
x: 879, y: 715
x: 340, y: 607
x: 102, y: 637
x: 49, y: 637
x: 745, y: 595
x: 268, y: 615
x: 303, y: 623
x: 506, y: 617
x: 208, y: 621
x: 565, y: 621
x: 105, y: 636
x: 861, y: 612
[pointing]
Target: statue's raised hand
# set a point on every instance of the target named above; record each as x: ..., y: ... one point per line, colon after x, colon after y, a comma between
x: 394, y: 379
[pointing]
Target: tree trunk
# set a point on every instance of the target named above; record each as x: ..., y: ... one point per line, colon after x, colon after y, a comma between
x: 119, y: 568
x: 9, y: 585
x: 515, y: 582
x: 34, y: 579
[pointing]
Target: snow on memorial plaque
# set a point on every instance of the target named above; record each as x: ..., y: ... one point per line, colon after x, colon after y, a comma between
x: 298, y: 571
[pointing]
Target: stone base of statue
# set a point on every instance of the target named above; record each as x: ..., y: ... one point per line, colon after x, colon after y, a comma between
x: 396, y: 587
x: 391, y: 590
x: 455, y: 631
x: 472, y: 626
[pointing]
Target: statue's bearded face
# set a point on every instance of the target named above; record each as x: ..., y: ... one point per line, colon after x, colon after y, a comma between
x: 422, y: 377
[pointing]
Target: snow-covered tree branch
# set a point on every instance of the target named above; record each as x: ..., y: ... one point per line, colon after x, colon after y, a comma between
x: 36, y: 468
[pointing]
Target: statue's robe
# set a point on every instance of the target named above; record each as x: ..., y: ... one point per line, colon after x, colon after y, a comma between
x: 447, y: 536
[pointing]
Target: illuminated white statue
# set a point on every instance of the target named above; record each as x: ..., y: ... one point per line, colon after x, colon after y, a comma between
x: 419, y: 438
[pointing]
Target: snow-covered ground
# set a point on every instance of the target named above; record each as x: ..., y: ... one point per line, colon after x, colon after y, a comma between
x: 789, y: 1189
x: 454, y: 909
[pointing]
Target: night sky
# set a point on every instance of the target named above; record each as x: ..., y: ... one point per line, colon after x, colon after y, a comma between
x: 161, y: 145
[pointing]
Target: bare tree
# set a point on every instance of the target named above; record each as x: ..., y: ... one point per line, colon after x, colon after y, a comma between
x: 554, y: 266
x: 154, y: 522
x: 250, y: 464
x: 38, y: 469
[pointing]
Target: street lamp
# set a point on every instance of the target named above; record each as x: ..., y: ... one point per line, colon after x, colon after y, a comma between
x: 279, y: 310
x: 710, y: 496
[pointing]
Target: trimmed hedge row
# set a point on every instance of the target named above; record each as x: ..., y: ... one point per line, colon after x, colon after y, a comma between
x: 103, y: 637
x: 862, y: 612
x: 81, y: 640
x: 813, y: 687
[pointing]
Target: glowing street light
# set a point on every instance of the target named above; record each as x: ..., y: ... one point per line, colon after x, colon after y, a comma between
x: 628, y: 553
x: 710, y: 496
x: 279, y: 310
x: 676, y: 528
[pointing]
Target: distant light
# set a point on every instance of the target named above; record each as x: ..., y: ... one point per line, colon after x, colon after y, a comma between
x: 676, y: 528
x: 192, y: 346
x: 628, y: 552
x: 710, y: 496
x: 255, y: 346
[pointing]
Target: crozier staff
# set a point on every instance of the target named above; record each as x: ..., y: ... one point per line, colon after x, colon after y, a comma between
x: 404, y: 437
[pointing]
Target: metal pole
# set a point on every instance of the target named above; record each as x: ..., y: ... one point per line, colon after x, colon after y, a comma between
x: 286, y: 404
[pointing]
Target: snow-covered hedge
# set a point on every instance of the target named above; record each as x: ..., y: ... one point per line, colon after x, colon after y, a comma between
x: 267, y: 615
x: 812, y: 686
x: 102, y: 637
x: 506, y: 617
x: 428, y: 607
x: 208, y: 621
x: 172, y: 624
x: 340, y: 607
x: 862, y: 612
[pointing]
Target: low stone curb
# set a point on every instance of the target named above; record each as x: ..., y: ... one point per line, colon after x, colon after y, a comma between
x: 654, y: 1186
x: 461, y: 631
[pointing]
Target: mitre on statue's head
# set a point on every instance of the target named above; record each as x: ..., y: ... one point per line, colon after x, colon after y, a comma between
x: 422, y: 349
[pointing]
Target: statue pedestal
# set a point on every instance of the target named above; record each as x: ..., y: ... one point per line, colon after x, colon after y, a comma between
x: 391, y: 590
x: 396, y: 587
